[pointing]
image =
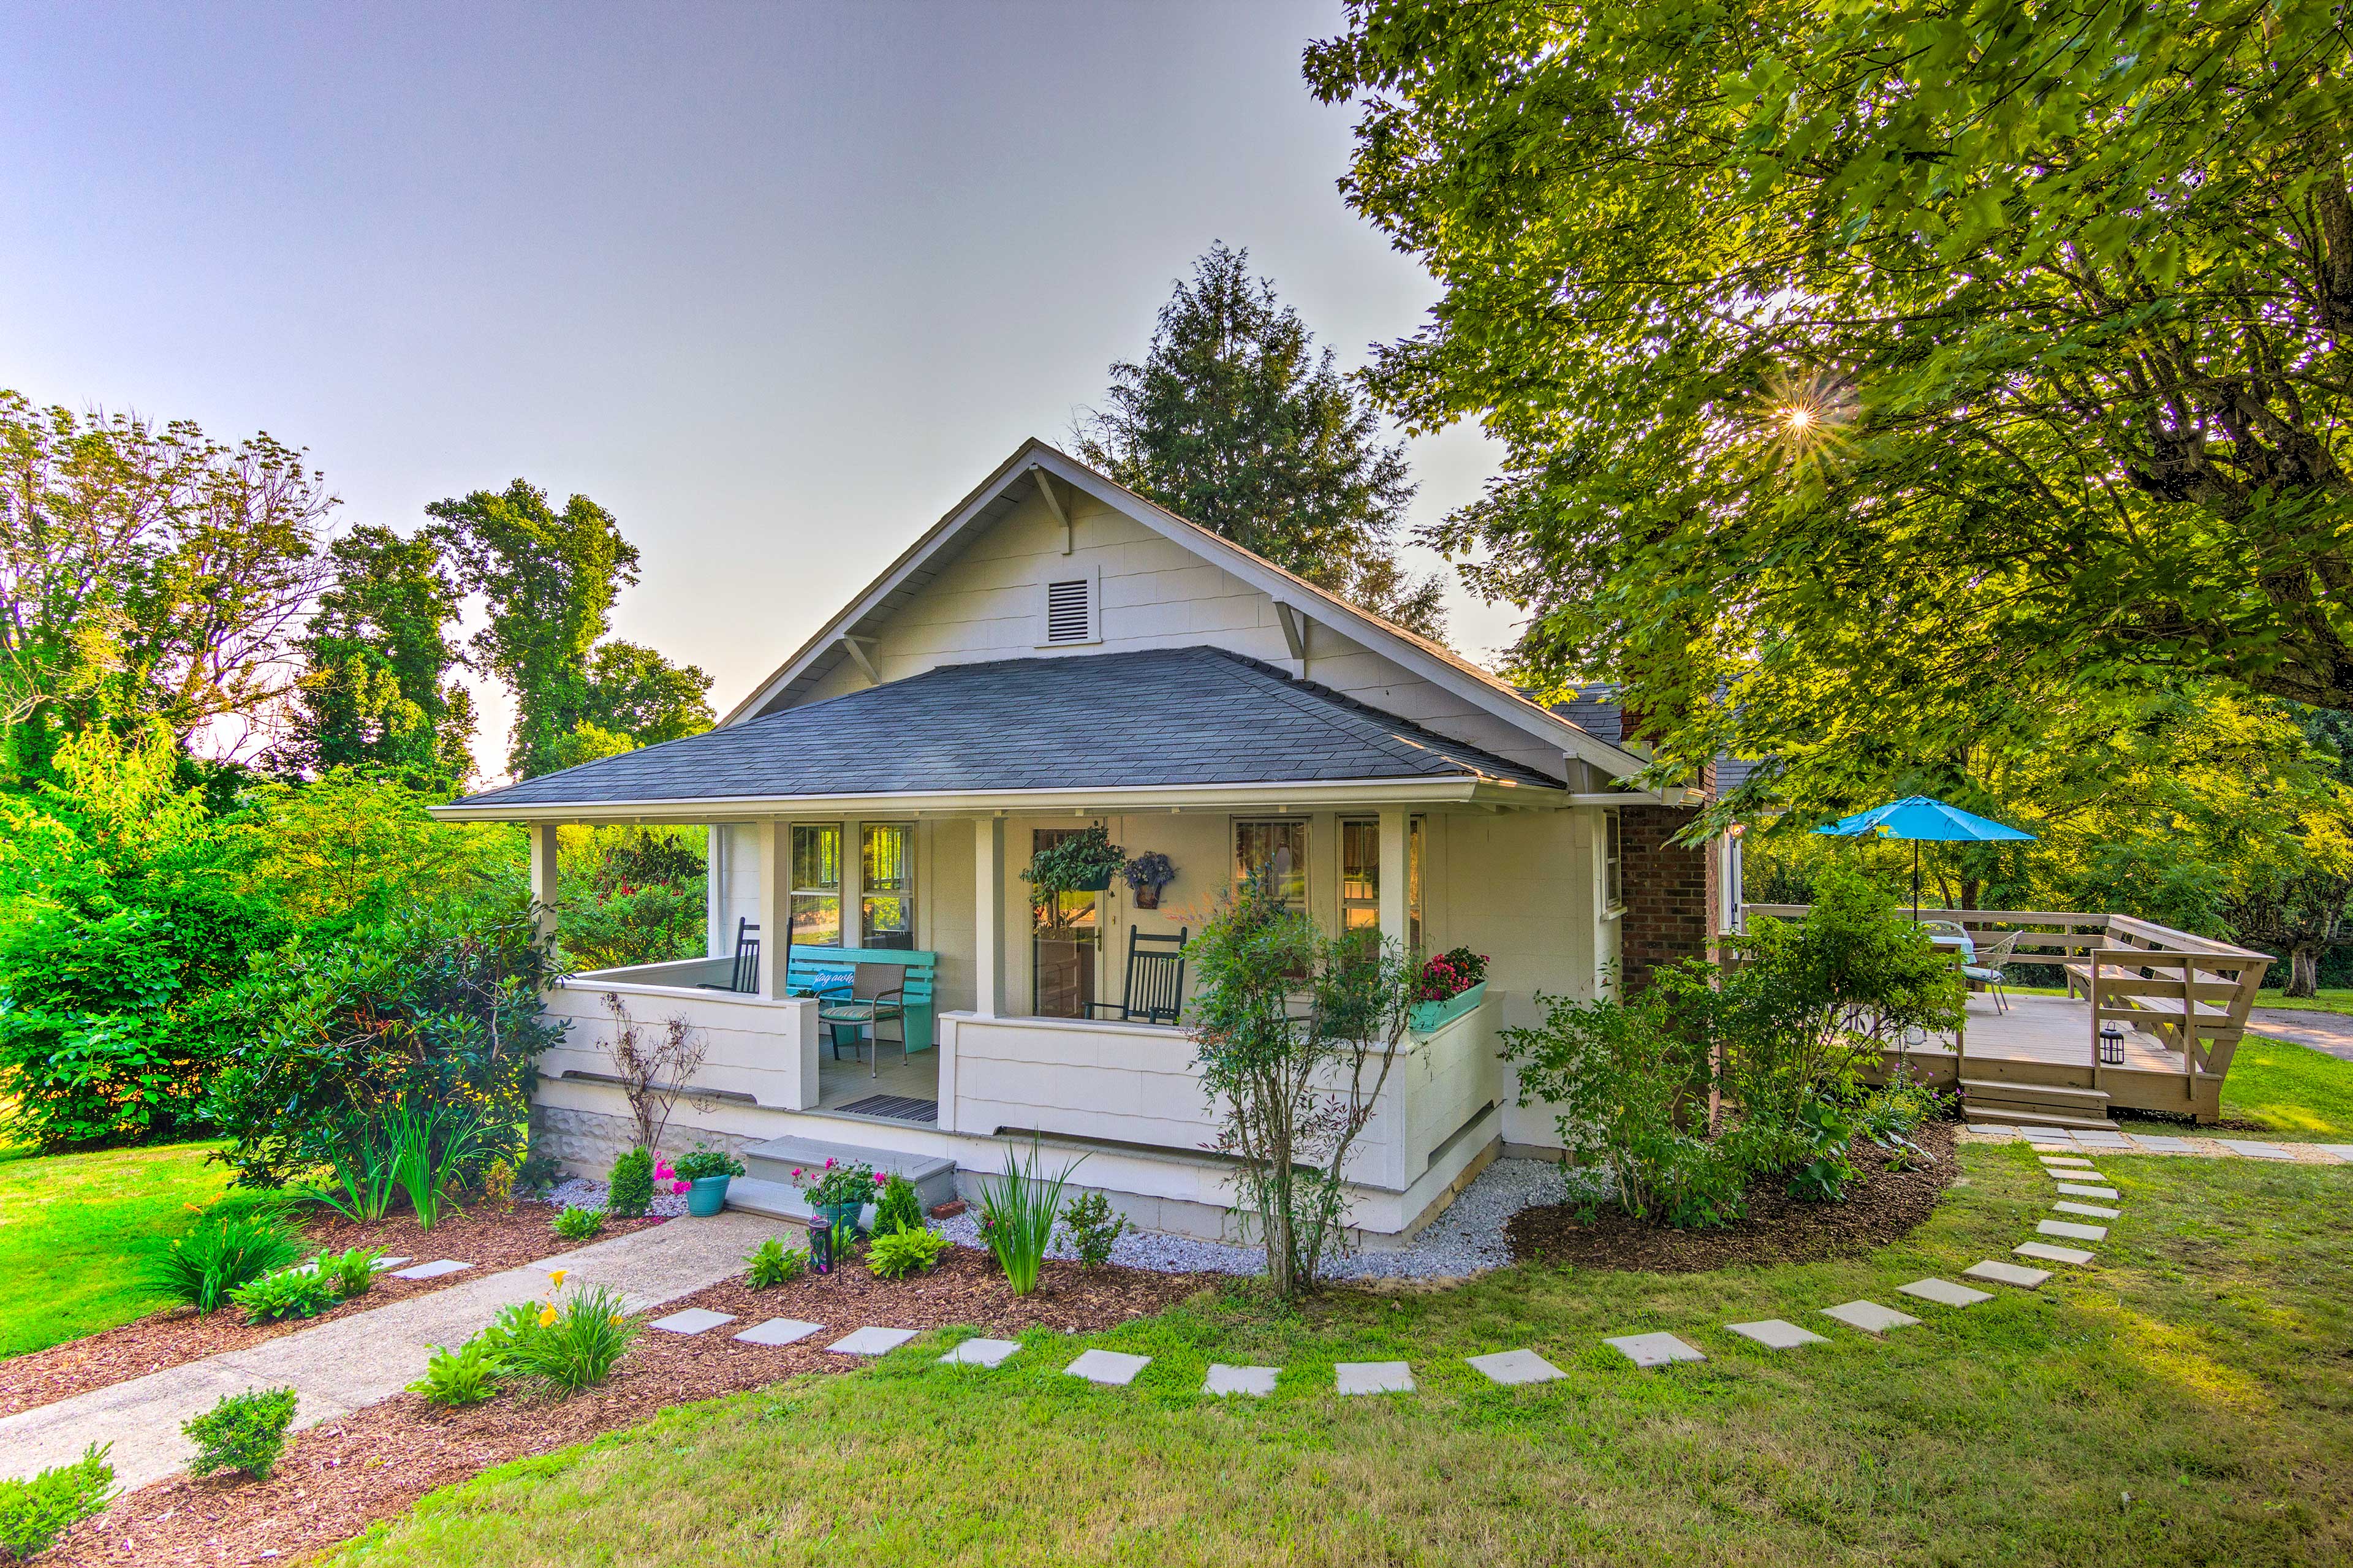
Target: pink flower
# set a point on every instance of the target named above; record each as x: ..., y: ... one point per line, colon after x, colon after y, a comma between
x: 680, y: 1186
x: 828, y: 1164
x: 797, y: 1172
x: 882, y: 1180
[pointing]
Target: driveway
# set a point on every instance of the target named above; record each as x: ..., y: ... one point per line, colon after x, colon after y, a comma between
x: 2330, y: 1031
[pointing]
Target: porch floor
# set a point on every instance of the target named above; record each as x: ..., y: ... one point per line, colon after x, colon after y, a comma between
x: 906, y: 1091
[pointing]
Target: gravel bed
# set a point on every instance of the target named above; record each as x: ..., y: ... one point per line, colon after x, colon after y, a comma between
x: 1467, y: 1239
x: 580, y: 1193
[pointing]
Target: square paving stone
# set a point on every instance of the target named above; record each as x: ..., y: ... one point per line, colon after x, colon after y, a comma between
x: 2342, y: 1151
x: 2002, y: 1273
x: 1511, y: 1367
x: 392, y: 1262
x: 871, y: 1341
x: 2254, y: 1151
x: 1647, y: 1351
x: 980, y: 1353
x: 2073, y: 1232
x: 778, y: 1331
x: 2153, y: 1144
x: 1113, y: 1369
x: 694, y: 1321
x: 1372, y: 1378
x: 2074, y: 1173
x: 1993, y: 1128
x: 2078, y: 1161
x: 2074, y: 1256
x: 1944, y: 1293
x: 1255, y: 1381
x: 2079, y: 1190
x: 2098, y: 1138
x: 1870, y: 1317
x: 1776, y: 1335
x: 430, y: 1270
x: 2094, y: 1211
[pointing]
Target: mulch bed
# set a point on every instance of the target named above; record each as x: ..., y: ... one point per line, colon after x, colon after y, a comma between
x: 1777, y: 1230
x: 337, y: 1478
x: 487, y: 1237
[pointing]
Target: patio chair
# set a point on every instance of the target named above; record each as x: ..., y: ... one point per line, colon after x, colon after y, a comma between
x: 745, y: 975
x: 1988, y: 969
x: 869, y: 1004
x: 1154, y: 991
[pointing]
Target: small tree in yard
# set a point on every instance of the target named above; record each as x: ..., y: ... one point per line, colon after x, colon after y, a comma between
x: 1292, y: 1022
x: 653, y: 1072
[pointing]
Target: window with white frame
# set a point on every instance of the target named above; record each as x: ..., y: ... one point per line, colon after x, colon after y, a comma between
x: 1613, y: 864
x: 886, y: 889
x: 816, y: 884
x: 1360, y: 877
x: 1277, y: 850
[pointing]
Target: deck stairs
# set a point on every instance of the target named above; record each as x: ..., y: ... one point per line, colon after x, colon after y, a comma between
x: 767, y: 1187
x: 2024, y: 1104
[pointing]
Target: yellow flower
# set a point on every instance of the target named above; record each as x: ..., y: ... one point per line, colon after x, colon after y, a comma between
x: 618, y: 1320
x: 546, y: 1316
x: 555, y: 1277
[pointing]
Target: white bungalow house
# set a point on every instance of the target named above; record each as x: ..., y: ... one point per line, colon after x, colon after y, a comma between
x: 1055, y: 652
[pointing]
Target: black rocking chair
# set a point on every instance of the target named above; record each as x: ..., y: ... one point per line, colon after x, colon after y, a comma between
x: 746, y: 974
x: 1156, y: 981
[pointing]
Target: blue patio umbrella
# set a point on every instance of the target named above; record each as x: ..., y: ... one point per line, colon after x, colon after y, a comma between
x: 1917, y: 816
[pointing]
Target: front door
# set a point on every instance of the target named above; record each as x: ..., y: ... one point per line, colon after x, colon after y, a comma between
x: 1065, y: 937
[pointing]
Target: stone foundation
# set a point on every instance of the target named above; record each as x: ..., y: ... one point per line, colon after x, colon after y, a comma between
x: 588, y: 1142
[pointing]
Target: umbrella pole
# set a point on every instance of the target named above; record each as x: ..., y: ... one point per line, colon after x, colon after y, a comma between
x: 1915, y: 881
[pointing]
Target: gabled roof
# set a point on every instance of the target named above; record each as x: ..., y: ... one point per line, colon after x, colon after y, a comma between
x: 1154, y: 720
x: 1014, y: 481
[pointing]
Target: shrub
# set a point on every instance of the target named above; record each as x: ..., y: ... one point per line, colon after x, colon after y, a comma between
x: 244, y: 1432
x: 34, y: 1514
x: 288, y: 1294
x: 902, y: 1252
x: 629, y: 1190
x: 467, y: 1375
x: 1449, y: 974
x: 577, y: 1224
x: 701, y: 1162
x: 352, y: 1272
x: 538, y: 1174
x: 365, y: 1182
x: 1016, y: 1217
x: 221, y: 1256
x: 1824, y: 1129
x: 773, y: 1263
x: 573, y: 1347
x: 1091, y: 1230
x: 899, y: 1208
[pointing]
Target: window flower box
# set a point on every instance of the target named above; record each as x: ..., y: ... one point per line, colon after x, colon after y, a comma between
x: 1428, y: 1017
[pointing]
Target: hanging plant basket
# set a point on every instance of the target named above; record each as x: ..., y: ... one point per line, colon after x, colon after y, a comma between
x: 1146, y: 875
x: 1083, y: 862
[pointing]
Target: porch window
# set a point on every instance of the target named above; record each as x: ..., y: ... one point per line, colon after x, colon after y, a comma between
x: 816, y: 884
x: 1613, y: 864
x: 887, y: 895
x: 1277, y: 850
x: 1360, y: 877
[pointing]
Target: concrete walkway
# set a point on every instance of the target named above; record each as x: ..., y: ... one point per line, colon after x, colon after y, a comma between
x: 2330, y: 1031
x: 353, y: 1361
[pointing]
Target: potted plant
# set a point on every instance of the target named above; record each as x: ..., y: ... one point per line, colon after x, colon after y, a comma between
x: 838, y: 1193
x: 706, y: 1172
x: 1447, y: 986
x: 1146, y: 875
x: 1081, y: 862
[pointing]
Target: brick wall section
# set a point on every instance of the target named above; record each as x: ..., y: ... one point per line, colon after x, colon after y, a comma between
x: 1668, y: 892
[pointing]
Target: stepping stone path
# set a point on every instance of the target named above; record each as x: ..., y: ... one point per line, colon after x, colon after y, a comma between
x: 2072, y: 1232
x: 1647, y: 1350
x: 2342, y: 1151
x: 1113, y: 1369
x: 980, y: 1353
x: 1870, y: 1317
x: 1354, y: 1377
x: 871, y: 1342
x: 778, y: 1331
x: 1775, y: 1334
x: 2254, y: 1151
x: 430, y: 1270
x: 2074, y: 1256
x: 382, y: 1263
x: 2158, y: 1146
x: 1253, y: 1382
x: 694, y: 1321
x: 2000, y: 1273
x: 1512, y: 1368
x: 2094, y: 1211
x: 1944, y: 1293
x: 2078, y: 1190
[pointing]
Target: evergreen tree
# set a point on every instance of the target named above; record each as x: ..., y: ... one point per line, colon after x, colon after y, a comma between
x: 376, y: 693
x: 1234, y: 421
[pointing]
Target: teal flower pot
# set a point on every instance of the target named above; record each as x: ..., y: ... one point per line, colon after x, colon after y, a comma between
x: 843, y: 1219
x: 707, y: 1196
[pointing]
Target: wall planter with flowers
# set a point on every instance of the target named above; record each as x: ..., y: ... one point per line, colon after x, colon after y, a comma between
x: 1448, y: 985
x: 1081, y: 862
x: 706, y: 1172
x: 841, y: 1194
x: 1146, y: 875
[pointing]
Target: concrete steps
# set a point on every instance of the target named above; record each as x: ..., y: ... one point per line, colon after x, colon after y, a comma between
x: 768, y: 1187
x: 2033, y: 1104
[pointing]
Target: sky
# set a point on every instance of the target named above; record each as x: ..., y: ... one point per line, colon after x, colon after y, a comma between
x: 776, y: 283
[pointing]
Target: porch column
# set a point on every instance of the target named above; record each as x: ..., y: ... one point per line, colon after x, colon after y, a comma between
x: 543, y: 878
x: 1396, y: 920
x: 988, y: 916
x: 853, y: 883
x: 776, y: 839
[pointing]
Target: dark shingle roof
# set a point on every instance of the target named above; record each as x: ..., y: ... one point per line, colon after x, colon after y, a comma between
x: 1120, y: 721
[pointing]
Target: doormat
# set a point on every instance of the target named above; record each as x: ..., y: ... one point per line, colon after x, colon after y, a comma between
x: 896, y: 1106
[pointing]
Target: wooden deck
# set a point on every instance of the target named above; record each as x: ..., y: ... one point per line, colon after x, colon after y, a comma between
x: 2052, y: 1029
x: 2035, y: 1063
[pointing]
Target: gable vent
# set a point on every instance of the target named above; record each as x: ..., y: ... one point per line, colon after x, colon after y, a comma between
x: 1070, y: 611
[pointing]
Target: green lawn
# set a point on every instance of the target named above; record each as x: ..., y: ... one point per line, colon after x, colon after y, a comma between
x: 2299, y: 1091
x: 76, y: 1231
x: 2175, y: 1407
x: 2325, y: 1002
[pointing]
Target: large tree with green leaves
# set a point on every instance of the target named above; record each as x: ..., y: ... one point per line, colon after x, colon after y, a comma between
x: 1236, y: 422
x: 1859, y: 365
x: 377, y: 693
x: 550, y: 579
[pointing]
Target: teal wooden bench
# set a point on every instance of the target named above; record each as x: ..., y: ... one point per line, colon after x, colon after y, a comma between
x: 831, y: 974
